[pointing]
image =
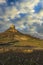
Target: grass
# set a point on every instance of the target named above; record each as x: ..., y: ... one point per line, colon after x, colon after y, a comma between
x: 30, y: 43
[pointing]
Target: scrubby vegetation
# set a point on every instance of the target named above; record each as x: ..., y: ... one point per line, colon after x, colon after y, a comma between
x: 19, y: 58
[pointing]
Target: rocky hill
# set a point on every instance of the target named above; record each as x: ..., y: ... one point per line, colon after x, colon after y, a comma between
x: 13, y: 36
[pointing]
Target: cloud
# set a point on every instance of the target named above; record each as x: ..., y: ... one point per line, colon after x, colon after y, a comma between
x: 10, y: 12
x: 2, y: 1
x: 4, y: 24
x: 26, y: 15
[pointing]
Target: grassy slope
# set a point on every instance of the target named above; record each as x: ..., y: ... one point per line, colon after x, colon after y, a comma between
x: 23, y: 40
x: 38, y: 43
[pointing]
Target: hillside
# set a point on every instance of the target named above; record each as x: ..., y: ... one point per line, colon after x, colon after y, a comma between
x: 13, y: 36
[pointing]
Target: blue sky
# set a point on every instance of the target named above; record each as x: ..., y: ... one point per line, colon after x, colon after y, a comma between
x: 26, y: 15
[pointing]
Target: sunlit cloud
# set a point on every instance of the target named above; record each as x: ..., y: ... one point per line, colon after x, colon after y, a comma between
x: 23, y: 14
x: 2, y: 1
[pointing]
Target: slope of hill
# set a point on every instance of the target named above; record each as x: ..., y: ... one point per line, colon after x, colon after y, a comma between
x: 13, y: 36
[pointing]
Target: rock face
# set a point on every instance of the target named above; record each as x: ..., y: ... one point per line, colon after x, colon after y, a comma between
x: 12, y: 28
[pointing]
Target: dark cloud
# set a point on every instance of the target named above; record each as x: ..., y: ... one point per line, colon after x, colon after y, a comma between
x: 9, y: 2
x: 2, y: 9
x: 39, y: 28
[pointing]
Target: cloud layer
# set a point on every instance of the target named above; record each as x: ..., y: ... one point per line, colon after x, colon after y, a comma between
x: 26, y: 15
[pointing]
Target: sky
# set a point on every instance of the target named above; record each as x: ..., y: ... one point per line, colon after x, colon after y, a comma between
x: 26, y: 15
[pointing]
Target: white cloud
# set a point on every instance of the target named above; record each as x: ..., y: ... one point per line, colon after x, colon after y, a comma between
x: 2, y: 1
x: 24, y: 7
x: 36, y: 18
x: 10, y: 12
x: 29, y: 5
